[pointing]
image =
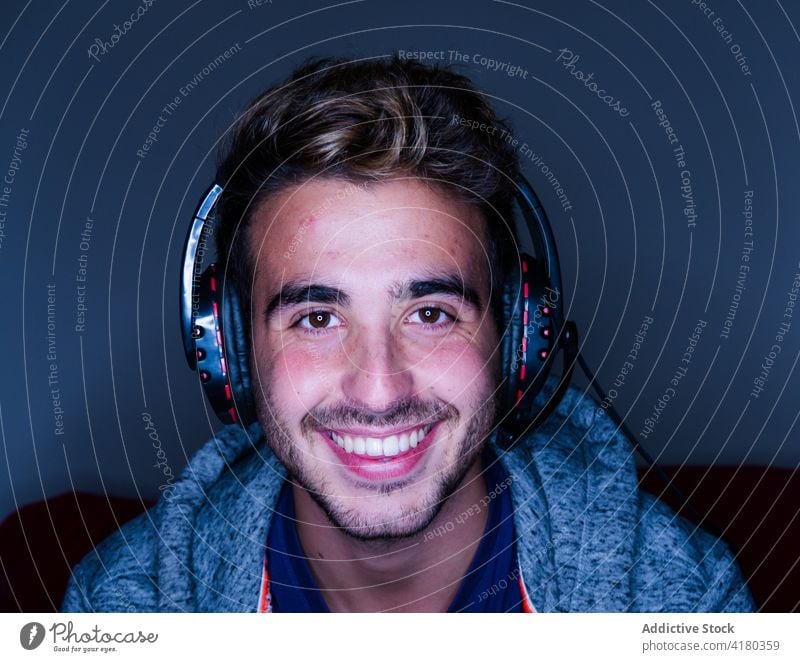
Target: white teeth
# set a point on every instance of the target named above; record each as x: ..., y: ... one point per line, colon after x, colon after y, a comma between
x: 391, y: 446
x: 386, y: 447
x: 418, y: 435
x: 374, y: 447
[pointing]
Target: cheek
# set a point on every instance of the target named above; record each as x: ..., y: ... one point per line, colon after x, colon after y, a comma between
x: 300, y: 376
x: 455, y: 371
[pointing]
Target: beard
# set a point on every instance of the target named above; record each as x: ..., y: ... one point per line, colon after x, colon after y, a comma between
x: 398, y: 521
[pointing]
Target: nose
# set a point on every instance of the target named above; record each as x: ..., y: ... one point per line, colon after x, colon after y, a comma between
x: 378, y: 373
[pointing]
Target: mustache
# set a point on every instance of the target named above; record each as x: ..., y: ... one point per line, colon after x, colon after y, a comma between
x: 411, y: 410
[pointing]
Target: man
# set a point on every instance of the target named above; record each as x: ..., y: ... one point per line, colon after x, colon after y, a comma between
x: 363, y: 225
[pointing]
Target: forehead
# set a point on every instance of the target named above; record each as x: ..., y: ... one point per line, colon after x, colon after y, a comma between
x: 354, y: 231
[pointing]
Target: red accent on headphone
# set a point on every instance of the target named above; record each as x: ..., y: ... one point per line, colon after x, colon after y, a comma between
x: 221, y: 345
x: 524, y: 358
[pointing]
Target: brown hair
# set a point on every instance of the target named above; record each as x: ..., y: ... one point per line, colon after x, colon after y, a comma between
x: 367, y: 121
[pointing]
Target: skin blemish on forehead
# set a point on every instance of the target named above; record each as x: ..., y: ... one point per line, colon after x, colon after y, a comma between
x: 307, y: 224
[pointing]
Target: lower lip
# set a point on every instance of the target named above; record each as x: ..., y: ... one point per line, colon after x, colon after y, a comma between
x: 380, y: 468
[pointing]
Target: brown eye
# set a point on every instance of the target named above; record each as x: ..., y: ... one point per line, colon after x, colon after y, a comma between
x: 430, y: 315
x: 432, y: 318
x: 319, y: 320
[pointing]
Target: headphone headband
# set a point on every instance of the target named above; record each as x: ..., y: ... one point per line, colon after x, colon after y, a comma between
x: 543, y: 241
x: 190, y: 273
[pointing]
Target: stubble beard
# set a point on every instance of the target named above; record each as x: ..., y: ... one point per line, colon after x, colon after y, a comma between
x: 404, y: 522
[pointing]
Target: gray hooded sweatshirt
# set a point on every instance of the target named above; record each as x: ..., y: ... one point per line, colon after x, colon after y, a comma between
x: 587, y: 538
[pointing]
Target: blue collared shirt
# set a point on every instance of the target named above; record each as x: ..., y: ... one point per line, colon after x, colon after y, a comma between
x: 491, y: 584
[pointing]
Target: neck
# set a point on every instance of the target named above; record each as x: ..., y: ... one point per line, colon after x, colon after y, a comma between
x: 421, y: 573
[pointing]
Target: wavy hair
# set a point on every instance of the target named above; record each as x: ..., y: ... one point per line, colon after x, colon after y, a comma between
x: 366, y: 121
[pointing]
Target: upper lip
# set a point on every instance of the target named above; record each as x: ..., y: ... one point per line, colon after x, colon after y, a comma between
x: 377, y: 434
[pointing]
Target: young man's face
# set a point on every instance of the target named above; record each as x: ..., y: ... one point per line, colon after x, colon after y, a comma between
x: 374, y: 349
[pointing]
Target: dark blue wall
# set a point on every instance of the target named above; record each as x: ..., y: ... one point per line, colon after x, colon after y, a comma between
x: 107, y: 350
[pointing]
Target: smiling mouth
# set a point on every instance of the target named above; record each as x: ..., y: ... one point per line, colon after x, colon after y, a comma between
x: 380, y: 448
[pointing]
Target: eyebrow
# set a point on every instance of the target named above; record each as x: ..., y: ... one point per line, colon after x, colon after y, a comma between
x: 294, y: 293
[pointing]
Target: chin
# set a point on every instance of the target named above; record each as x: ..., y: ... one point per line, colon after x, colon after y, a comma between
x: 381, y: 523
x: 380, y: 498
x: 391, y: 510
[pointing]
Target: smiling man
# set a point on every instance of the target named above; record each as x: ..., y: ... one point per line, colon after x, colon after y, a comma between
x: 376, y: 370
x: 364, y: 230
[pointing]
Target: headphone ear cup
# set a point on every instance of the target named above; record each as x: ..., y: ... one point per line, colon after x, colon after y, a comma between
x: 528, y: 341
x: 511, y: 340
x: 237, y: 355
x: 221, y: 349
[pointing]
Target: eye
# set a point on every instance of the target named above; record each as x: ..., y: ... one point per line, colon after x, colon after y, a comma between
x: 432, y: 317
x: 317, y: 321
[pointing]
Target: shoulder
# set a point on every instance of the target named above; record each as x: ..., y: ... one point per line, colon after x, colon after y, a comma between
x: 119, y: 574
x: 152, y: 562
x: 680, y: 567
x: 617, y: 548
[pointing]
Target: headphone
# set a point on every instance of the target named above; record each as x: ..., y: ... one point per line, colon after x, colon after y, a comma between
x: 534, y: 330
